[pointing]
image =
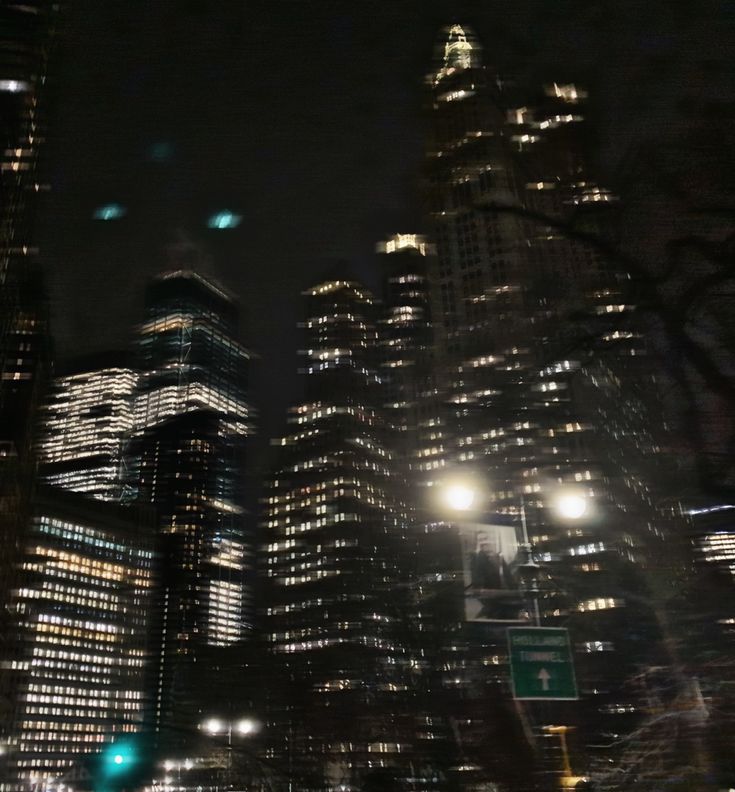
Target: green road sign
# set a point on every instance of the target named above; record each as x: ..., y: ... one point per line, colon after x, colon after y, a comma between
x: 541, y: 664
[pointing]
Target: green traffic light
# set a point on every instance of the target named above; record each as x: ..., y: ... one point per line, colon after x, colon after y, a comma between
x: 119, y: 758
x: 125, y: 764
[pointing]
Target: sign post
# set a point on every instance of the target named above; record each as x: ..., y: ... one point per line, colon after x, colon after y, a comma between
x: 541, y: 664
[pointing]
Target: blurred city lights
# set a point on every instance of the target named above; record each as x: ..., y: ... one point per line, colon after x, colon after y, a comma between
x: 224, y: 219
x: 13, y: 86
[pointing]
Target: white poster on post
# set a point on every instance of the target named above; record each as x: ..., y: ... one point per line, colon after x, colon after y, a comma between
x: 490, y: 564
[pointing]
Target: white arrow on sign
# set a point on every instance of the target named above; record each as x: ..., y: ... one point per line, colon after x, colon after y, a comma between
x: 544, y: 676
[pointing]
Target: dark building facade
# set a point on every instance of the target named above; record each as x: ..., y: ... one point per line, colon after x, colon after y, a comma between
x: 26, y: 38
x: 336, y: 538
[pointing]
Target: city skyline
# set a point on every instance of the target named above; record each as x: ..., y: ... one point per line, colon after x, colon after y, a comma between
x: 417, y: 471
x: 345, y: 83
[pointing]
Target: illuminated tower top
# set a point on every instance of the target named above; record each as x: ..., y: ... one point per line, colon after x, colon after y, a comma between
x: 459, y: 53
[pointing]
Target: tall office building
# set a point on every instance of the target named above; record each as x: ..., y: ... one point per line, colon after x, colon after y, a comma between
x: 336, y: 535
x: 544, y: 370
x: 86, y: 422
x: 80, y: 612
x: 191, y: 419
x: 26, y: 37
x: 406, y: 340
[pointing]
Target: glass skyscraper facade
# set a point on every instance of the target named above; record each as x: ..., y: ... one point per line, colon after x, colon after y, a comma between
x: 187, y: 460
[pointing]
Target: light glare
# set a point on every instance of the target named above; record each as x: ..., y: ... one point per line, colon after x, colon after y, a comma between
x: 223, y: 220
x: 113, y: 211
x: 571, y: 506
x: 213, y: 726
x: 246, y: 726
x: 460, y: 497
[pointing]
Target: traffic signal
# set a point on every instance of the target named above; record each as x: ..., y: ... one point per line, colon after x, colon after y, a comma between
x: 123, y: 764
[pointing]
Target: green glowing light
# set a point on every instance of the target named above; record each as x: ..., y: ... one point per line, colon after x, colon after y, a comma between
x: 224, y: 219
x: 111, y: 211
x: 120, y: 758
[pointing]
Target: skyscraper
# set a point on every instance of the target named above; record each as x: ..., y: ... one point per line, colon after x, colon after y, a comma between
x: 335, y: 534
x: 81, y: 618
x: 191, y: 419
x: 26, y: 38
x: 406, y: 339
x: 542, y: 364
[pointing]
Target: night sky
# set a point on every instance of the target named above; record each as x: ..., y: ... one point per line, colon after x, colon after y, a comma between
x: 305, y: 117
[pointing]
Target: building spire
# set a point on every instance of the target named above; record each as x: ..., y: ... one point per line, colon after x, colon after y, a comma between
x: 459, y: 52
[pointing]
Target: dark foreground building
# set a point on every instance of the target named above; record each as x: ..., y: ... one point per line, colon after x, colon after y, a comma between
x: 340, y: 707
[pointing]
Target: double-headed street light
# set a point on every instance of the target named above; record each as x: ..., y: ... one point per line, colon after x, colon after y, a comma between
x: 242, y: 727
x: 215, y: 726
x: 464, y: 495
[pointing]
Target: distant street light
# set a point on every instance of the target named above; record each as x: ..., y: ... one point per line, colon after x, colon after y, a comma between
x: 244, y: 727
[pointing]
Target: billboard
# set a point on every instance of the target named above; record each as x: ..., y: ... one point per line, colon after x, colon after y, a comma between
x: 490, y: 565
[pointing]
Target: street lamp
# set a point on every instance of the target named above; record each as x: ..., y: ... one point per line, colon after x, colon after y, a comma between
x: 244, y: 727
x: 463, y: 495
x: 213, y: 726
x: 460, y: 497
x: 570, y: 505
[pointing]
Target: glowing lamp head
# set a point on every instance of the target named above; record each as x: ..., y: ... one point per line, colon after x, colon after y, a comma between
x: 571, y: 506
x: 246, y: 726
x: 459, y: 497
x: 213, y: 726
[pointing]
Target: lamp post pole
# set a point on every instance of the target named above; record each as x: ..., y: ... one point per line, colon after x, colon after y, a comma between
x: 529, y: 567
x: 244, y: 727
